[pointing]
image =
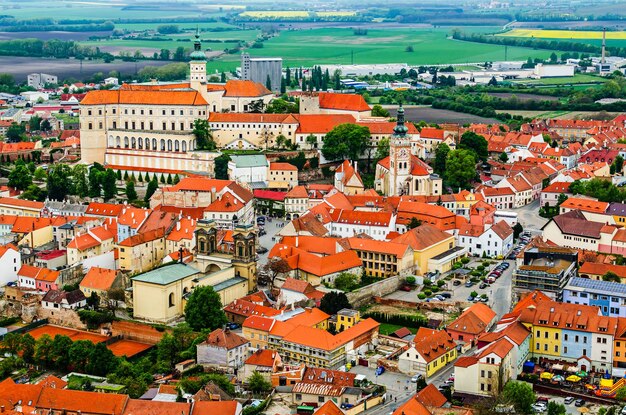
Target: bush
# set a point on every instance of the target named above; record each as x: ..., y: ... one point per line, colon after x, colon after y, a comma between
x: 441, y: 283
x: 435, y: 289
x: 428, y: 293
x: 480, y: 268
x: 410, y: 280
x: 93, y: 319
x: 421, y: 296
x: 400, y: 320
x: 476, y: 273
x: 457, y: 265
x: 465, y: 260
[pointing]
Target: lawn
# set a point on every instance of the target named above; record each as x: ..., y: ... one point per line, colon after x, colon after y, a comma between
x: 115, y: 44
x: 153, y: 26
x: 386, y: 329
x: 341, y: 46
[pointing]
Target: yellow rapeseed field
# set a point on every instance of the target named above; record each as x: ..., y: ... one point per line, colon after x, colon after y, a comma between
x: 330, y: 14
x: 563, y: 34
x: 275, y: 13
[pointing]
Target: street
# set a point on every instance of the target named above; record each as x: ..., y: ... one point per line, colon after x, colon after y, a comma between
x: 528, y: 217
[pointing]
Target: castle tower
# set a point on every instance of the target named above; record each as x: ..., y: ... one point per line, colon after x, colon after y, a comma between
x: 197, y: 66
x: 399, y: 157
x: 244, y: 257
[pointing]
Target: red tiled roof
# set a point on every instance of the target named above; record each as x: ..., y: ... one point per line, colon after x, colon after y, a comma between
x: 224, y: 338
x: 347, y: 102
x: 262, y: 357
x: 20, y: 203
x: 99, y: 279
x: 322, y: 123
x: 144, y: 97
x: 242, y: 88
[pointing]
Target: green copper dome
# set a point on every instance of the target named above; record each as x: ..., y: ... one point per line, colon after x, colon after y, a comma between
x: 400, y: 129
x: 197, y: 54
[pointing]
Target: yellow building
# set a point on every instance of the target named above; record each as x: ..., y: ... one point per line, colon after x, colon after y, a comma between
x: 382, y: 258
x: 346, y: 318
x: 160, y: 295
x: 282, y: 176
x: 431, y: 352
x: 19, y: 207
x: 33, y: 232
x: 142, y: 252
x: 433, y: 249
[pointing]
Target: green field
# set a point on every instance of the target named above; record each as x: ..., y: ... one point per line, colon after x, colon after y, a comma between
x: 94, y: 10
x: 337, y: 46
x: 576, y: 79
x: 149, y: 44
x: 386, y: 329
x: 182, y: 26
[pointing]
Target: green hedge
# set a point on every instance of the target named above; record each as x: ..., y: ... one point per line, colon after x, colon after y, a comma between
x: 399, y: 320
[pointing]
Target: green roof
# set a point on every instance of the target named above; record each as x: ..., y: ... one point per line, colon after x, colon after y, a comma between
x: 228, y: 283
x: 250, y: 160
x: 167, y: 274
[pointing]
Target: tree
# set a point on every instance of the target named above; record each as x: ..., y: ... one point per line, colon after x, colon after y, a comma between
x: 79, y: 180
x: 420, y: 384
x: 28, y: 347
x: 346, y: 281
x: 503, y: 157
x: 311, y: 140
x: 60, y: 351
x: 562, y: 198
x: 460, y: 169
x: 204, y: 138
x: 153, y: 185
x: 493, y: 81
x: 14, y: 132
x: 108, y: 184
x: 204, y: 309
x: 382, y: 148
x: 346, y: 141
x: 268, y: 83
x: 275, y: 267
x: 611, y: 276
x: 95, y: 182
x: 553, y: 58
x: 169, y: 178
x: 475, y: 143
x: 43, y: 350
x: 334, y: 301
x: 20, y: 177
x: 59, y: 184
x: 619, y: 164
x: 517, y: 230
x: 179, y: 54
x: 414, y: 223
x: 258, y: 384
x: 379, y: 111
x: 34, y: 123
x: 441, y: 155
x: 520, y: 395
x: 45, y: 125
x: 101, y: 360
x: 93, y: 300
x: 621, y: 394
x: 283, y: 85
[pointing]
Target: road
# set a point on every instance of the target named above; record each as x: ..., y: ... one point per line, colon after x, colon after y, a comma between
x: 528, y: 217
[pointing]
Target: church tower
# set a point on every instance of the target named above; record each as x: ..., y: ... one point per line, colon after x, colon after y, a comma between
x: 399, y: 157
x: 244, y: 257
x: 197, y: 66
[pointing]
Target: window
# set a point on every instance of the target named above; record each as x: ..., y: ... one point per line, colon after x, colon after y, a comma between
x: 171, y: 300
x: 320, y: 399
x: 298, y: 397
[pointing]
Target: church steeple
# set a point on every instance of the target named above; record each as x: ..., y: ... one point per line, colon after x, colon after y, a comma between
x: 197, y: 66
x: 197, y: 54
x: 400, y: 129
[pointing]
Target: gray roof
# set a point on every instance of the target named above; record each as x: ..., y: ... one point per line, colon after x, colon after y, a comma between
x: 617, y: 208
x: 228, y: 283
x: 250, y: 160
x: 167, y: 274
x: 602, y: 287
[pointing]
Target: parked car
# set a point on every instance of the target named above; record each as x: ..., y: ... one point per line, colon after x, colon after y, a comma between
x: 406, y: 287
x: 449, y: 382
x: 440, y: 297
x: 261, y: 250
x: 456, y: 283
x: 415, y: 378
x: 470, y: 298
x: 446, y: 295
x: 622, y: 412
x: 570, y: 399
x: 579, y: 402
x: 484, y: 299
x: 232, y: 326
x: 483, y: 285
x: 469, y: 284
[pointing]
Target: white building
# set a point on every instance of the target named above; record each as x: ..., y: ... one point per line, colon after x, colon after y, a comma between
x: 223, y: 348
x: 34, y: 96
x: 249, y: 170
x: 10, y: 263
x: 39, y: 80
x: 492, y: 241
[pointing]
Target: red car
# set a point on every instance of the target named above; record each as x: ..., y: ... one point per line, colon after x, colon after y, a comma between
x: 406, y: 288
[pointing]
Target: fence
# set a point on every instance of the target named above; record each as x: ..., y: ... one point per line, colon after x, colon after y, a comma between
x: 27, y: 327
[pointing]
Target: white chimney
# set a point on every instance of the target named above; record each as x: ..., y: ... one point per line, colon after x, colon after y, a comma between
x: 177, y: 226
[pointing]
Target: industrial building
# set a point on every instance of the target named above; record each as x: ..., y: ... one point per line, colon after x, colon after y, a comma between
x: 260, y: 69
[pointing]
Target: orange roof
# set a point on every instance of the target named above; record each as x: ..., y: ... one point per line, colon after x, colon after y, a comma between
x: 322, y: 123
x: 132, y: 216
x: 28, y: 271
x: 586, y: 205
x: 557, y: 187
x: 144, y: 97
x: 104, y: 209
x: 20, y: 203
x: 215, y: 407
x: 500, y: 347
x: 47, y: 275
x: 282, y: 166
x: 262, y: 357
x: 465, y: 361
x: 241, y: 88
x: 422, y: 237
x: 145, y: 407
x: 143, y: 237
x: 346, y: 102
x: 312, y: 244
x: 412, y: 407
x: 594, y: 268
x: 184, y: 229
x: 300, y: 286
x: 430, y: 396
x: 26, y: 224
x: 329, y: 408
x: 259, y: 323
x: 473, y: 320
x: 432, y: 133
x: 198, y: 184
x: 359, y: 217
x: 83, y: 242
x: 86, y: 402
x: 52, y: 381
x: 432, y: 344
x: 226, y: 203
x: 230, y: 117
x: 383, y: 247
x: 99, y: 279
x: 310, y: 317
x: 224, y: 339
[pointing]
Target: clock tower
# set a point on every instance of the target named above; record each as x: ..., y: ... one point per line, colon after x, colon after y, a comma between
x: 399, y: 157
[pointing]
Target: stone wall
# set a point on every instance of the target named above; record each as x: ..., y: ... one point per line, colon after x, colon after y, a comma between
x: 62, y: 317
x: 381, y: 288
x: 449, y: 306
